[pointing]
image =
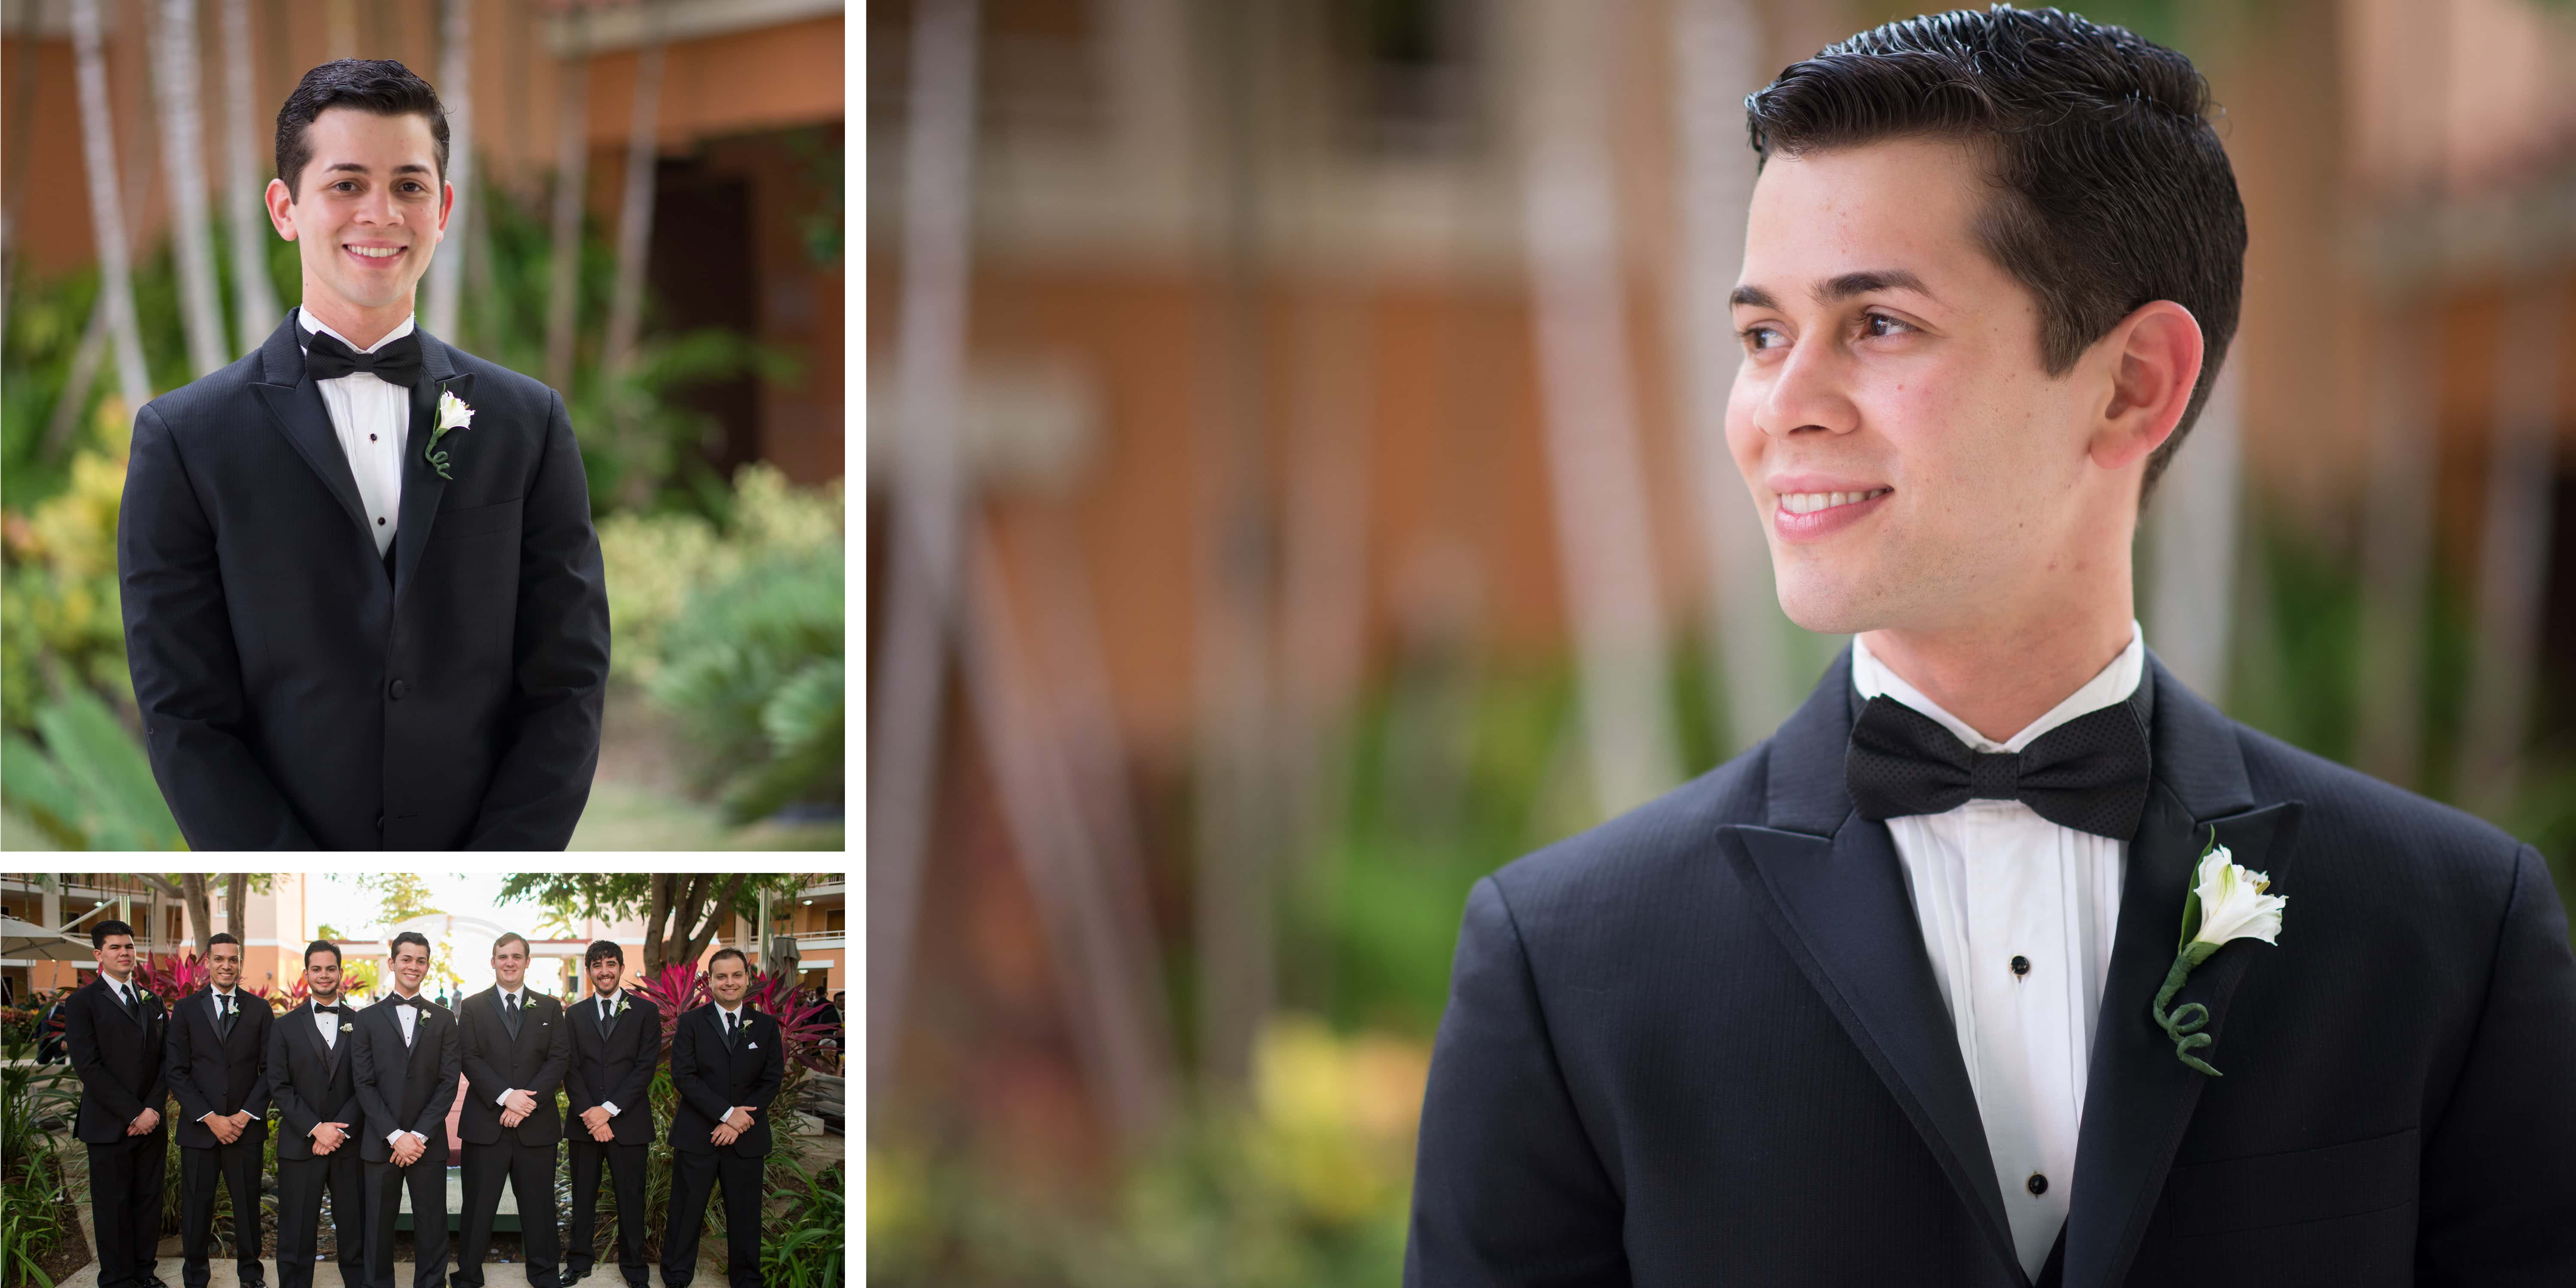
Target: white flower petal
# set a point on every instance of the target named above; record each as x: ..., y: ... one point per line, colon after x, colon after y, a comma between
x: 2232, y: 903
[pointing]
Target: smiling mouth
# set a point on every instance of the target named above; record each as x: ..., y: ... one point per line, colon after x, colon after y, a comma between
x: 1810, y: 502
x: 376, y: 252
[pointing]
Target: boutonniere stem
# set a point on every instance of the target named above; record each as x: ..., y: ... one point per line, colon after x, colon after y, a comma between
x: 453, y: 414
x: 2226, y: 903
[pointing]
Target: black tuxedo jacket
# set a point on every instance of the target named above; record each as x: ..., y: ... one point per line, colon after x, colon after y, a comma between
x: 494, y: 1063
x: 1702, y: 1043
x: 616, y: 1070
x: 311, y: 1083
x: 295, y: 697
x: 218, y: 1075
x: 118, y: 1059
x: 405, y: 1090
x: 711, y: 1080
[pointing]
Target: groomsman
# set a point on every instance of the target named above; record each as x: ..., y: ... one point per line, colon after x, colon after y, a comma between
x: 726, y: 1061
x: 311, y: 1080
x: 616, y: 1044
x: 404, y: 1059
x: 114, y: 1030
x: 515, y: 1050
x: 216, y: 1056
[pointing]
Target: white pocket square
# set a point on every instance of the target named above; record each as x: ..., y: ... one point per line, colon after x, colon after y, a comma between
x: 750, y: 1046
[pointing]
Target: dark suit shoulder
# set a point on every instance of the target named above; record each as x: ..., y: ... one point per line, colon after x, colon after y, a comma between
x: 495, y: 383
x: 1632, y: 863
x: 2346, y: 803
x: 211, y: 400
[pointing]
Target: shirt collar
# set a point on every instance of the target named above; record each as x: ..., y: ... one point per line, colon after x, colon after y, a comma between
x: 728, y: 1010
x: 2112, y: 684
x: 312, y: 324
x: 221, y: 992
x: 609, y: 999
x: 508, y: 993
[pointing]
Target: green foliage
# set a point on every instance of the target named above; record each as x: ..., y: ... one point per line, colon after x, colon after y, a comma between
x: 401, y: 895
x: 90, y: 786
x: 654, y: 562
x: 615, y: 896
x: 801, y: 1246
x: 60, y: 617
x: 753, y: 670
x: 36, y: 1214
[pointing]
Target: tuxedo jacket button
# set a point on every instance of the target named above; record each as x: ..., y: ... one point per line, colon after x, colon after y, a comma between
x: 399, y: 689
x: 380, y: 822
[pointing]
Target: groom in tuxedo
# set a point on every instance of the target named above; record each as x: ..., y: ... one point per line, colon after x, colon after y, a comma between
x: 364, y: 605
x: 1886, y: 998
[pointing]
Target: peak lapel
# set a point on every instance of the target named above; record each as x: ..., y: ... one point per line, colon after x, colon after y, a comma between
x: 1831, y: 887
x: 2138, y: 1098
x: 423, y: 486
x: 294, y: 402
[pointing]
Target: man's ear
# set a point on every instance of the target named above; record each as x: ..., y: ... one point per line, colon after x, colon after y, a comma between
x: 281, y: 208
x: 2154, y: 358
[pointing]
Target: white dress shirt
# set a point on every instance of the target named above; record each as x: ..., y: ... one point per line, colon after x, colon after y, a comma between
x: 1993, y: 882
x: 216, y: 1000
x: 327, y: 1024
x: 608, y: 1006
x: 407, y: 1015
x: 506, y: 997
x: 125, y: 994
x: 372, y: 416
x: 725, y: 1020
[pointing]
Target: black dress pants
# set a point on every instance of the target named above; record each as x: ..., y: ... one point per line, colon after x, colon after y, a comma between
x: 693, y: 1178
x: 625, y: 1166
x: 300, y: 1183
x: 428, y: 1181
x: 125, y: 1205
x: 237, y: 1165
x: 530, y: 1170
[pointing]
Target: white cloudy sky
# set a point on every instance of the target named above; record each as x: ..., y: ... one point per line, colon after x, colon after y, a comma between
x: 338, y: 901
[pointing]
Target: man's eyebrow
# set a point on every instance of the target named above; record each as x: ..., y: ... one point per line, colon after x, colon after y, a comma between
x: 408, y: 167
x: 1836, y: 289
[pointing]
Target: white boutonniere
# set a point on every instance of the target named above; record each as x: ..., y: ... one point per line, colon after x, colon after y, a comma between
x: 347, y: 1027
x: 453, y: 414
x: 2226, y: 903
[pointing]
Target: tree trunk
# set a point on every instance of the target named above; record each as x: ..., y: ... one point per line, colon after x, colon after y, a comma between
x: 660, y: 905
x: 2194, y: 528
x: 76, y: 385
x: 714, y: 915
x: 183, y: 158
x: 201, y: 914
x: 572, y: 165
x: 236, y: 912
x: 456, y: 90
x: 1605, y: 548
x: 635, y: 211
x: 1717, y: 60
x: 106, y: 209
x: 255, y: 308
x: 928, y: 493
x: 2513, y: 553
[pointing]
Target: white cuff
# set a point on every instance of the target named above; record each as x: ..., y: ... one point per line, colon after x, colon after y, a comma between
x: 502, y: 1099
x: 395, y: 1137
x: 204, y: 1116
x: 610, y: 1106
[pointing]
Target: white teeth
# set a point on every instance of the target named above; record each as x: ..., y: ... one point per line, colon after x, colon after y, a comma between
x: 1810, y: 502
x: 378, y: 252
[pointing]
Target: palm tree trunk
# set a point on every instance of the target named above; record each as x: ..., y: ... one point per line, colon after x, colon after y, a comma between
x: 106, y: 209
x: 572, y: 164
x: 2194, y: 521
x: 183, y: 157
x: 76, y: 384
x: 1717, y: 53
x: 456, y: 90
x: 201, y: 915
x: 1605, y: 550
x: 2513, y: 552
x: 635, y: 212
x: 929, y: 492
x: 2396, y: 550
x: 236, y: 909
x: 255, y: 308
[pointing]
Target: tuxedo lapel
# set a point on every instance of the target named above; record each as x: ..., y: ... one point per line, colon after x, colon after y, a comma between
x: 294, y: 402
x: 423, y: 486
x: 2138, y: 1098
x: 1829, y: 884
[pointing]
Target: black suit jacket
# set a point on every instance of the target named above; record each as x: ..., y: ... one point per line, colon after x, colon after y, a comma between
x: 494, y: 1063
x: 294, y: 698
x: 617, y: 1069
x: 311, y: 1083
x: 212, y: 1075
x: 405, y: 1090
x: 118, y: 1059
x: 1703, y: 1040
x: 711, y: 1080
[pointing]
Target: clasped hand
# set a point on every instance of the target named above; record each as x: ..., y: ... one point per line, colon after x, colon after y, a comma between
x: 596, y: 1119
x: 732, y: 1128
x: 227, y: 1127
x: 408, y: 1150
x: 143, y: 1122
x: 328, y: 1136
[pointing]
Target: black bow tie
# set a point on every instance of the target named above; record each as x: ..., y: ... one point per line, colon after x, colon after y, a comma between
x: 320, y: 1009
x: 398, y: 362
x: 2089, y: 774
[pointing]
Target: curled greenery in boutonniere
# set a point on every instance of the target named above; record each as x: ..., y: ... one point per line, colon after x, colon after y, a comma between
x: 2226, y: 902
x: 453, y: 413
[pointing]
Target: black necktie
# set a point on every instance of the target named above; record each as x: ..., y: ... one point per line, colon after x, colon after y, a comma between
x: 733, y: 1029
x: 2089, y: 774
x: 133, y: 1000
x: 223, y: 1016
x: 510, y: 1016
x: 605, y: 1016
x: 397, y: 362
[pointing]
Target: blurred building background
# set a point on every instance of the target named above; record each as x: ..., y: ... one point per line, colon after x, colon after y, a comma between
x: 1298, y: 488
x: 649, y: 217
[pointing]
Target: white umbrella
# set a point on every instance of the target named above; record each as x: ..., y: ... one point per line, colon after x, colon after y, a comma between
x: 25, y: 940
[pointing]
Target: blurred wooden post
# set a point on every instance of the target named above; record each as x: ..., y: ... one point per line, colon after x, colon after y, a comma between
x: 1716, y: 47
x: 106, y: 210
x: 255, y: 308
x: 2193, y: 517
x: 928, y: 492
x: 635, y: 211
x: 572, y: 170
x: 2513, y: 550
x: 183, y: 141
x: 456, y: 90
x: 1598, y: 494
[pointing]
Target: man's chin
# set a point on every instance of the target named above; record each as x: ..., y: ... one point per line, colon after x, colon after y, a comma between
x: 1827, y: 604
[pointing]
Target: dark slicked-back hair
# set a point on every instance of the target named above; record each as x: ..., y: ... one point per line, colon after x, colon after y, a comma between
x: 102, y: 931
x: 221, y: 937
x: 603, y: 950
x: 723, y: 953
x: 321, y: 946
x: 378, y: 85
x: 394, y: 949
x: 2110, y: 187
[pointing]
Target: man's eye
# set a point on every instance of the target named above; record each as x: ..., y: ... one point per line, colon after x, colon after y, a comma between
x: 1752, y: 335
x: 1868, y: 318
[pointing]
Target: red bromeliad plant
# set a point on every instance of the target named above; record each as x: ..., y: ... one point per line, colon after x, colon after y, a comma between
x: 183, y: 976
x: 681, y: 987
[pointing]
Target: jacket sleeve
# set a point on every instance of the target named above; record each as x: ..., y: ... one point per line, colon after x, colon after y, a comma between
x: 293, y: 1115
x: 80, y: 1038
x: 550, y: 1075
x: 773, y: 1071
x: 577, y: 1092
x: 689, y: 1076
x: 2509, y: 1113
x: 484, y: 1082
x: 1507, y: 1189
x: 442, y: 1097
x: 177, y: 1052
x: 543, y: 780
x: 638, y: 1089
x: 362, y: 1078
x: 179, y: 648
